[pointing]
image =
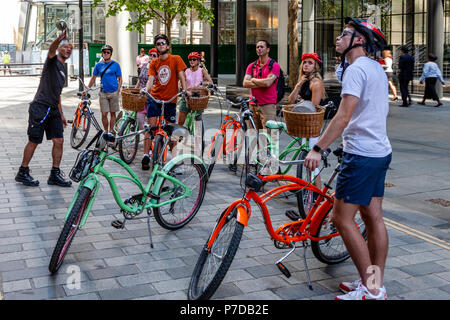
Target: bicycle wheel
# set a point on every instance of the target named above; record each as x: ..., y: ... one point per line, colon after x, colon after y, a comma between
x: 69, y: 230
x: 80, y: 130
x: 177, y: 214
x: 305, y: 198
x: 213, y: 154
x: 333, y: 250
x: 213, y: 264
x: 128, y: 147
x: 158, y: 150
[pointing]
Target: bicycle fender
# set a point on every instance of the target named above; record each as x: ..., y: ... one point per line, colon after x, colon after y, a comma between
x: 91, y: 182
x: 317, y: 219
x: 242, y: 216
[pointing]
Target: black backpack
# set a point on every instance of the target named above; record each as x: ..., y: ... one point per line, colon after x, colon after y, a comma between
x: 280, y: 82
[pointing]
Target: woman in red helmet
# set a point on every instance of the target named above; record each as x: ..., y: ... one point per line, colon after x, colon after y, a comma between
x: 196, y: 77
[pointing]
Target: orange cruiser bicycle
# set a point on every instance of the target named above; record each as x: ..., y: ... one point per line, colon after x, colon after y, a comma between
x: 220, y: 249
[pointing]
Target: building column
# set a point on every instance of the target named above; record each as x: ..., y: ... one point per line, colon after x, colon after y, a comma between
x: 124, y: 43
x: 241, y: 40
x: 214, y: 53
x: 308, y: 26
x: 435, y: 36
x: 283, y: 34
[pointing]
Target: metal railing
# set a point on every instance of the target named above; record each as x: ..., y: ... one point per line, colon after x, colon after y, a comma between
x: 20, y: 69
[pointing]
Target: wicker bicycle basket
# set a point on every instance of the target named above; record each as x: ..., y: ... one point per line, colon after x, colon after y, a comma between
x: 132, y: 100
x: 305, y: 125
x: 198, y: 103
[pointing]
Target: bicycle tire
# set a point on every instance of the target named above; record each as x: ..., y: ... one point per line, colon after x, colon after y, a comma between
x: 69, y: 230
x: 81, y: 119
x: 129, y: 126
x: 203, y: 284
x: 213, y: 156
x: 158, y: 148
x: 333, y: 250
x: 305, y: 198
x: 179, y: 213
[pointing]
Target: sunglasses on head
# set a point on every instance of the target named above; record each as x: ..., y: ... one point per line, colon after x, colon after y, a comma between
x: 161, y: 43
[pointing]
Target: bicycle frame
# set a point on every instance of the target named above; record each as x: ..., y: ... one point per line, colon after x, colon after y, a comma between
x: 304, y: 228
x: 151, y: 190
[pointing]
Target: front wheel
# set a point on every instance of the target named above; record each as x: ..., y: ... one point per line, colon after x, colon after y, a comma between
x: 178, y: 213
x: 158, y: 149
x: 69, y: 230
x: 305, y: 197
x: 213, y: 263
x: 80, y: 129
x: 128, y: 147
x: 333, y: 250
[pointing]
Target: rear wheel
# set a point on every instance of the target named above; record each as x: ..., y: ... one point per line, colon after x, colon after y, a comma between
x: 213, y: 264
x: 69, y: 230
x: 333, y: 250
x: 128, y: 147
x: 177, y: 214
x: 305, y: 198
x: 80, y: 130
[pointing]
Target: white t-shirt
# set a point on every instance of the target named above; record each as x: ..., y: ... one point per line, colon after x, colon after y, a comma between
x: 366, y: 135
x: 388, y: 65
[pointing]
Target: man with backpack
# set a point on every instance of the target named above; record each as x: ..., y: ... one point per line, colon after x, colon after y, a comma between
x: 262, y: 77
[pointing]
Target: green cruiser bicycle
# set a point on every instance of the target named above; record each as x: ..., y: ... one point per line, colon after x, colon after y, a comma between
x: 174, y: 196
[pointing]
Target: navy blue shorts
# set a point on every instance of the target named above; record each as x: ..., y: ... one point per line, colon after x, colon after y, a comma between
x: 154, y: 110
x: 361, y: 178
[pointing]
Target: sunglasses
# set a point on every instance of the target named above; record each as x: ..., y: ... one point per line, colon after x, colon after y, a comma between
x: 193, y: 59
x: 344, y: 33
x: 161, y: 43
x: 107, y: 52
x: 154, y: 55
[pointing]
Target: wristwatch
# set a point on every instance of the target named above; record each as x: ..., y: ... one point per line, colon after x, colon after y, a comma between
x: 318, y: 149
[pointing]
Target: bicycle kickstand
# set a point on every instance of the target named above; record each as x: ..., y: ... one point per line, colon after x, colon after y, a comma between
x: 149, y: 229
x: 305, y: 246
x: 280, y: 264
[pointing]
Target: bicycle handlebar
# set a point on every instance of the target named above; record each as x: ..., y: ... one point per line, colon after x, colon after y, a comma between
x: 145, y: 92
x: 324, y: 158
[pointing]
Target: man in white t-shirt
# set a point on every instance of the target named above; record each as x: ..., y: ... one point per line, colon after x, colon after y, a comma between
x: 361, y: 120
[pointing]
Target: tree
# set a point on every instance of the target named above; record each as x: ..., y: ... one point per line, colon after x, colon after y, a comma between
x: 164, y: 11
x: 293, y: 42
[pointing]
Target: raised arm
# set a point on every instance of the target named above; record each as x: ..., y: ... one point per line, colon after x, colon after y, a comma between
x: 55, y: 44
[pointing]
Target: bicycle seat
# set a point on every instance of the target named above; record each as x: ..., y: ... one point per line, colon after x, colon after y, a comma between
x: 271, y: 124
x: 176, y: 131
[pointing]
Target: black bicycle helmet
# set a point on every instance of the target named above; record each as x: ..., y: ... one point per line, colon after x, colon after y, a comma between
x: 161, y: 36
x: 107, y: 47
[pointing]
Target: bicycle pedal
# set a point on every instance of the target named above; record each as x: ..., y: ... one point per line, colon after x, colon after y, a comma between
x: 292, y: 214
x: 283, y: 269
x: 118, y: 224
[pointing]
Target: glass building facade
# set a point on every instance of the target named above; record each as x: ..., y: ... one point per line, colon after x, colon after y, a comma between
x: 402, y: 21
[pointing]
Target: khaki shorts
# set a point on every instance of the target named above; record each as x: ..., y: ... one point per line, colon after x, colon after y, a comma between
x: 109, y: 101
x: 262, y: 114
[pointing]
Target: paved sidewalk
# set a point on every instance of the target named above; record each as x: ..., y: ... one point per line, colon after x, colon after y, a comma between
x: 119, y: 264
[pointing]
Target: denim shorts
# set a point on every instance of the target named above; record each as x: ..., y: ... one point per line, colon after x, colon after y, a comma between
x: 361, y: 178
x: 154, y: 110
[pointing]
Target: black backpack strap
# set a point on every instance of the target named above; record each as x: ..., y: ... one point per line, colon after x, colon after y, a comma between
x: 253, y: 67
x: 109, y: 65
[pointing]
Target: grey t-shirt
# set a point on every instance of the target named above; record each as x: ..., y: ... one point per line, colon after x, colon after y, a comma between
x: 366, y: 135
x: 51, y: 84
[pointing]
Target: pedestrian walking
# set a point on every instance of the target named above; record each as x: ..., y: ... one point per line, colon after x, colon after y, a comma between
x: 387, y: 66
x: 45, y: 114
x: 6, y: 62
x: 431, y: 74
x: 361, y: 119
x: 164, y: 73
x: 141, y: 59
x: 406, y: 66
x: 261, y: 77
x: 111, y: 83
x: 142, y: 83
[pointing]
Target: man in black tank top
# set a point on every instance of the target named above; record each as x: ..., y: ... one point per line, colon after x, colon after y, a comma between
x: 46, y: 115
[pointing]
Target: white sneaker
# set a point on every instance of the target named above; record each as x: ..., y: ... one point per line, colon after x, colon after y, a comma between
x: 362, y: 293
x: 346, y: 287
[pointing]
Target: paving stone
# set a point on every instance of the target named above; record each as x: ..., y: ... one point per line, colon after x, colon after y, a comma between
x: 127, y: 293
x: 421, y: 269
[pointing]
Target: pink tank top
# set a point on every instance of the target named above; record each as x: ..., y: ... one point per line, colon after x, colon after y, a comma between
x: 193, y: 78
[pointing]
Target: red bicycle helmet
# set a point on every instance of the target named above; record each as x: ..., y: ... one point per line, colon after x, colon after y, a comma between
x: 313, y: 56
x: 152, y: 50
x: 194, y: 55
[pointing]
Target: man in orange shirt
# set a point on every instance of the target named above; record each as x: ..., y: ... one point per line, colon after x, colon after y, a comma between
x: 163, y: 75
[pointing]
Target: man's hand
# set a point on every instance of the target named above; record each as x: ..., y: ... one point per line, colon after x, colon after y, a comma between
x: 312, y: 160
x: 63, y: 119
